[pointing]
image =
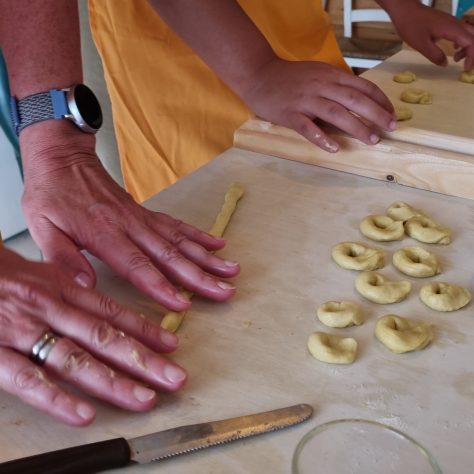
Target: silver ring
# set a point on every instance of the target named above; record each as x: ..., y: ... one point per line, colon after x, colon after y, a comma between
x: 43, y: 346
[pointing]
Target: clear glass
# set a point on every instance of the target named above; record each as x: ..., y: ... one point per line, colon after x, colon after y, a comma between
x: 356, y: 446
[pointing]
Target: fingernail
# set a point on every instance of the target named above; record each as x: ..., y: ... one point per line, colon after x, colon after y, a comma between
x: 392, y: 125
x: 143, y: 394
x: 225, y: 286
x: 181, y: 297
x: 83, y: 279
x: 174, y: 373
x: 168, y: 338
x: 374, y: 139
x: 230, y: 263
x: 85, y: 411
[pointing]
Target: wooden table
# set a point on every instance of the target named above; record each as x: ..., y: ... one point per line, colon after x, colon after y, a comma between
x: 250, y: 354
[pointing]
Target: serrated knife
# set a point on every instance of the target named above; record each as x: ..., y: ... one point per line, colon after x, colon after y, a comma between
x: 119, y: 452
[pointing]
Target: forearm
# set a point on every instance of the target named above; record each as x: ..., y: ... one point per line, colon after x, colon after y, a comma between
x: 392, y: 6
x: 41, y: 43
x: 222, y: 34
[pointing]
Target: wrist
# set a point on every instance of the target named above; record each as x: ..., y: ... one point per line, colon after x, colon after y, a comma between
x: 397, y: 8
x: 54, y: 144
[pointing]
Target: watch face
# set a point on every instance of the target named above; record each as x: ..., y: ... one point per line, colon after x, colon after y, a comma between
x: 88, y: 106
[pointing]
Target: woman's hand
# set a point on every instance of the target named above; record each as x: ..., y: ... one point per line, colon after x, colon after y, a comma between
x: 71, y: 203
x: 103, y: 348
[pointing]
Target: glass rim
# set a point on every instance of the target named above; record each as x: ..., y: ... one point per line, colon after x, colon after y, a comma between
x: 324, y: 426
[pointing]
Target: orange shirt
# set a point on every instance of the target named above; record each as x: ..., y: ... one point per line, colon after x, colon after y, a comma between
x: 171, y: 113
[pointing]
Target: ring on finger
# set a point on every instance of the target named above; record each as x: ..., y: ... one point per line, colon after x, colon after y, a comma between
x: 43, y: 346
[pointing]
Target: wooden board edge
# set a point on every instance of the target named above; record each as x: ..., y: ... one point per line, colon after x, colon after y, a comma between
x: 404, y: 163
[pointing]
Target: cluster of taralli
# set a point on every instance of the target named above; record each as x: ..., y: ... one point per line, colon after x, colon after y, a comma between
x: 419, y: 96
x: 397, y: 333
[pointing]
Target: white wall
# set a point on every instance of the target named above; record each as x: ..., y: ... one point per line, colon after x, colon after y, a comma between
x: 11, y: 187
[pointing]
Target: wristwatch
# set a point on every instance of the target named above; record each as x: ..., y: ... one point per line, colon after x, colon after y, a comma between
x: 76, y: 103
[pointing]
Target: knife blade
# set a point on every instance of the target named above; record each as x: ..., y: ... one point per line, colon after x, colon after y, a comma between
x: 119, y: 452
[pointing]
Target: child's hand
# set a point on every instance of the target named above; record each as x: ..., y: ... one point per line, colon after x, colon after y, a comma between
x: 421, y: 27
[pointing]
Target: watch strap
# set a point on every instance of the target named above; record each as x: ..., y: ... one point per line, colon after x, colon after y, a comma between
x: 37, y: 108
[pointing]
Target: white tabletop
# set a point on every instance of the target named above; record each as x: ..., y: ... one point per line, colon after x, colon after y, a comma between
x: 250, y: 354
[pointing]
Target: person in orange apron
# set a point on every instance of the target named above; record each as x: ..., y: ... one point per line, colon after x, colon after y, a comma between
x: 172, y: 113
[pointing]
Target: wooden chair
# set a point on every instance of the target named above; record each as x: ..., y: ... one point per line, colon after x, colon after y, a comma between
x: 361, y: 52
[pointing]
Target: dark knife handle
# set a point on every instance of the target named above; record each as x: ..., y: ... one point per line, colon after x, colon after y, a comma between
x: 85, y: 459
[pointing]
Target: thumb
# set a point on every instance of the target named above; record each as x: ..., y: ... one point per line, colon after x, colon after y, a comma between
x: 57, y: 247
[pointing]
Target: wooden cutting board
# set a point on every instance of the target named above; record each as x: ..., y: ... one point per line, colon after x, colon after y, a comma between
x: 448, y: 123
x: 249, y: 354
x: 433, y: 151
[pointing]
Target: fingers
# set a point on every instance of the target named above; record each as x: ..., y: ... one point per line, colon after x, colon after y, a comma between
x: 114, y: 347
x: 190, y: 249
x: 306, y: 127
x: 208, y: 241
x: 150, y: 334
x: 434, y: 53
x: 76, y: 366
x: 369, y: 89
x: 128, y: 261
x: 175, y: 266
x: 59, y: 248
x: 22, y: 378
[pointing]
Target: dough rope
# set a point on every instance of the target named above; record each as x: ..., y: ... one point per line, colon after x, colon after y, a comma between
x: 405, y: 77
x: 382, y: 228
x: 417, y: 96
x: 401, y: 211
x: 416, y: 262
x: 402, y: 334
x: 442, y: 296
x: 426, y: 230
x: 376, y: 288
x: 355, y: 256
x: 340, y: 314
x: 173, y: 319
x: 332, y: 349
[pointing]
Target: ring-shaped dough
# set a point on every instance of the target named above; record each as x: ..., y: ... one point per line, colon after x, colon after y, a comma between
x: 354, y: 256
x: 442, y: 296
x: 332, y: 349
x: 426, y: 230
x: 416, y: 262
x: 402, y: 334
x: 467, y: 77
x: 382, y: 228
x: 376, y: 288
x: 417, y: 96
x: 340, y: 314
x: 403, y: 113
x: 401, y: 211
x: 404, y: 77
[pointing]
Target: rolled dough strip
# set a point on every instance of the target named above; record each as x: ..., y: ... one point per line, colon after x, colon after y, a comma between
x: 172, y: 320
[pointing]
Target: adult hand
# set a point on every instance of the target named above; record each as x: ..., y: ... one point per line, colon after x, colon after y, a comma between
x: 71, y: 203
x: 97, y: 337
x: 421, y: 27
x: 294, y: 94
